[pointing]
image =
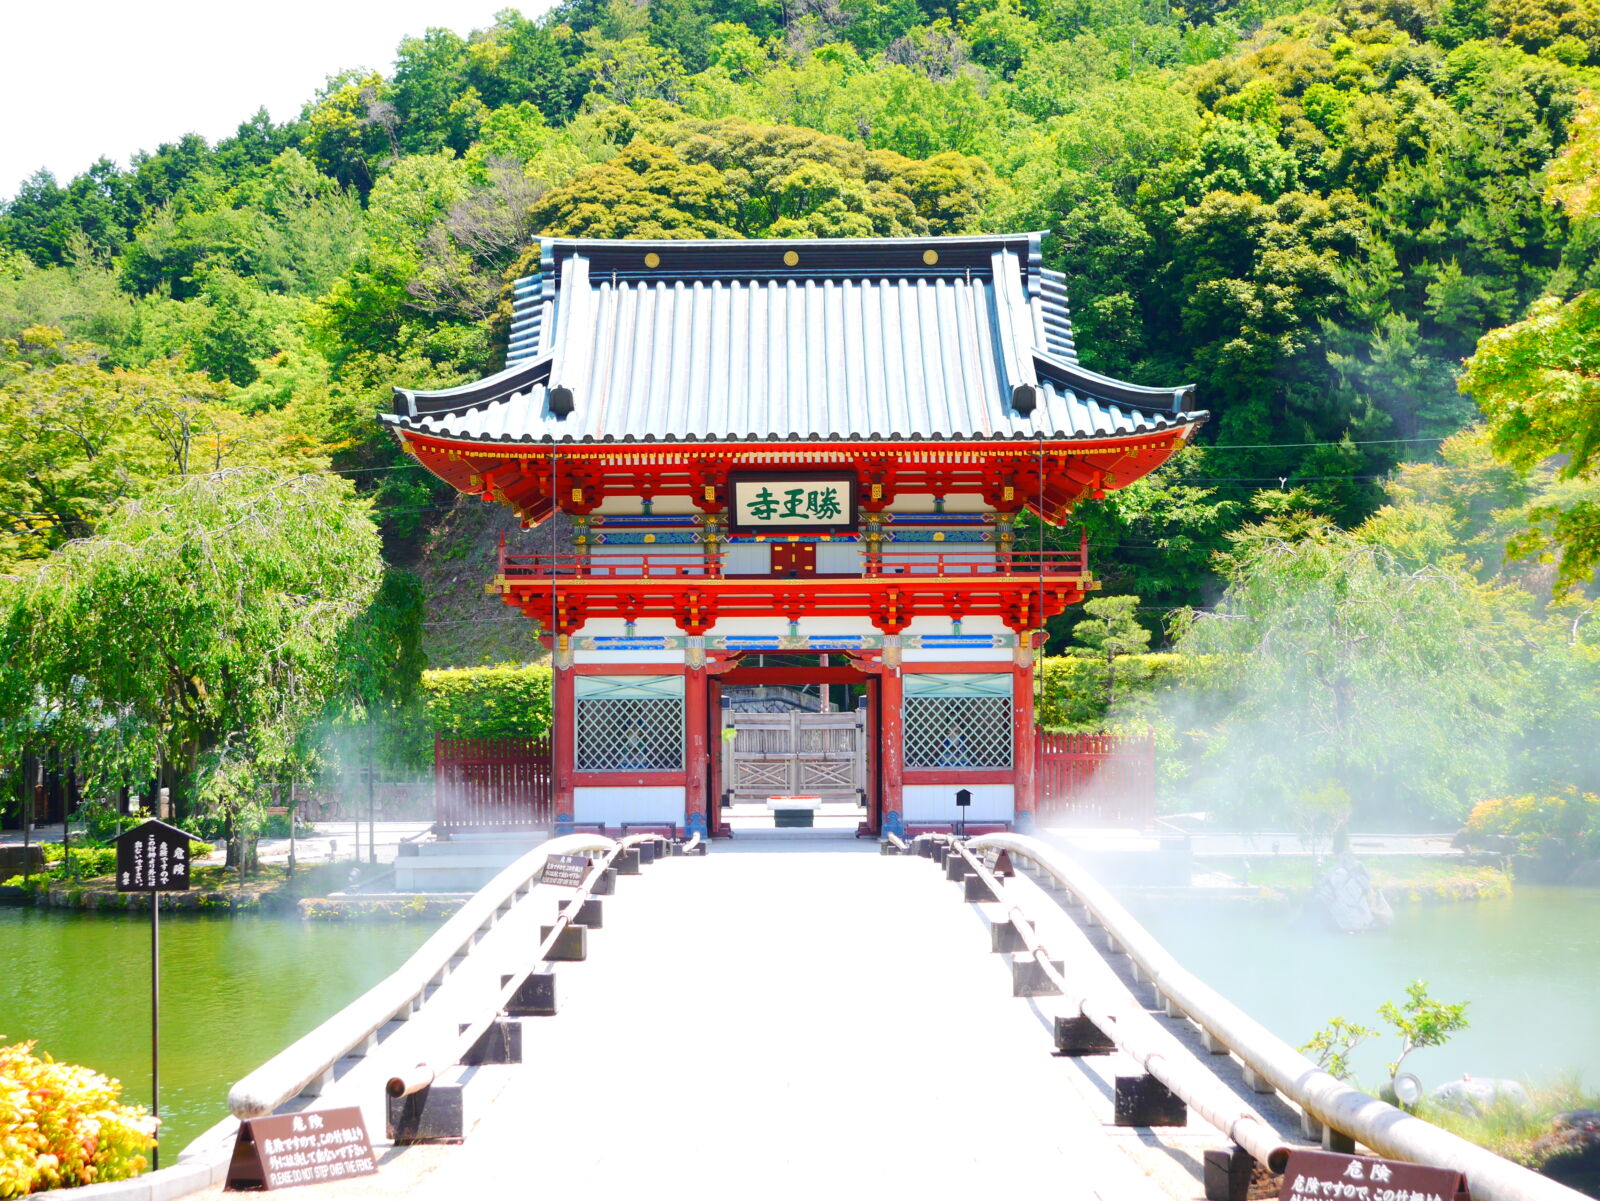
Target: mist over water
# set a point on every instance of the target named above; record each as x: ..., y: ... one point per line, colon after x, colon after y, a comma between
x: 1529, y: 964
x: 234, y: 992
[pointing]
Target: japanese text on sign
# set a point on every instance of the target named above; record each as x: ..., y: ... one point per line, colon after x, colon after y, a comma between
x: 1328, y: 1176
x: 302, y: 1148
x: 564, y: 870
x: 153, y: 857
x: 819, y: 502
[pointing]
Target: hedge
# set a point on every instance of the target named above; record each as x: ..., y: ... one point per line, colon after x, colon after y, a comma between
x: 487, y: 702
x: 514, y: 702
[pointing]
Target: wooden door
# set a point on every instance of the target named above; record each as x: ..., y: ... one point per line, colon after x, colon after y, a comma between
x: 796, y: 754
x: 794, y: 560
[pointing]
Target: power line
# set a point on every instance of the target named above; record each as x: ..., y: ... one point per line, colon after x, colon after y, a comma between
x: 1304, y: 445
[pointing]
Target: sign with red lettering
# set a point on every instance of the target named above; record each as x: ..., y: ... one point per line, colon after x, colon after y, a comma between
x: 153, y: 857
x: 1328, y: 1176
x: 301, y: 1148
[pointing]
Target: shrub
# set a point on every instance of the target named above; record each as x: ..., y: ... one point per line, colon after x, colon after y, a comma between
x: 1073, y: 696
x: 488, y: 702
x: 1567, y: 821
x: 62, y: 1125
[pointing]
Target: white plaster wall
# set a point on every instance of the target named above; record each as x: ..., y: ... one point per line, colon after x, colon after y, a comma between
x: 669, y: 658
x: 615, y: 627
x: 694, y: 553
x: 932, y: 558
x: 938, y: 626
x: 613, y: 806
x: 747, y: 558
x: 923, y: 502
x: 937, y: 802
x: 838, y: 558
x: 932, y: 624
x: 811, y: 626
x: 633, y: 506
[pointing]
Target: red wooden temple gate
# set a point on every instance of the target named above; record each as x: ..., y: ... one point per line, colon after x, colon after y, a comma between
x: 818, y: 446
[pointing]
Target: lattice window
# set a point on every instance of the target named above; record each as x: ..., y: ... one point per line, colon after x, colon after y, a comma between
x: 958, y: 721
x: 628, y: 723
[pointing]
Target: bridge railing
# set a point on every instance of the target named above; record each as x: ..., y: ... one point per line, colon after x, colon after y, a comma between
x: 1270, y: 1063
x: 308, y: 1063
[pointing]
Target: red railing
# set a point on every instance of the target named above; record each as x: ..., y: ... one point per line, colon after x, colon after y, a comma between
x: 1096, y: 779
x: 976, y: 562
x: 646, y: 566
x: 492, y: 783
x: 661, y: 565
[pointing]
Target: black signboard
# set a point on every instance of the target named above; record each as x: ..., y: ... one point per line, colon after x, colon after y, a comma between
x: 301, y: 1148
x: 1327, y: 1174
x: 565, y: 871
x: 153, y: 857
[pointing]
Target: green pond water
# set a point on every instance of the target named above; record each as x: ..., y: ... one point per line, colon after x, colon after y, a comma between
x: 234, y: 992
x: 1529, y: 964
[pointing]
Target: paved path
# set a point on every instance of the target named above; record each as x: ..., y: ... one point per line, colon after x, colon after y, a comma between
x: 784, y: 1018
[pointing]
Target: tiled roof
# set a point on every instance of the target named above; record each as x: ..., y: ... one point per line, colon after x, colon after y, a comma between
x: 918, y: 338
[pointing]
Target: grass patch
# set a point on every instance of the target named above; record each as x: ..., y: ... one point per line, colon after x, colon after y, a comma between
x: 1523, y: 1135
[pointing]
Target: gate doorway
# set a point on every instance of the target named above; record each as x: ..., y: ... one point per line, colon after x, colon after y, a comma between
x: 801, y: 727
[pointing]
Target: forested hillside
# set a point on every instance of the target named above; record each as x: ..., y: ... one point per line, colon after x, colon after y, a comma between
x: 1311, y: 213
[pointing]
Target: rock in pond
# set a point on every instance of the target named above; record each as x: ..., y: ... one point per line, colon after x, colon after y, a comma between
x: 1586, y: 874
x: 1474, y: 1095
x: 1346, y: 897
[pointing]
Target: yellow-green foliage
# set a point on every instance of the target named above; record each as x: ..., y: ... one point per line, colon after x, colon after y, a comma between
x: 1569, y: 817
x: 62, y: 1125
x: 1073, y: 696
x: 488, y: 702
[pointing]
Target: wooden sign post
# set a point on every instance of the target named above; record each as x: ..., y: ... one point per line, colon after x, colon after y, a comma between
x: 301, y: 1148
x: 154, y: 857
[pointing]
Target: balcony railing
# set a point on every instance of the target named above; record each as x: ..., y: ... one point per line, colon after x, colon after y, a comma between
x: 679, y: 566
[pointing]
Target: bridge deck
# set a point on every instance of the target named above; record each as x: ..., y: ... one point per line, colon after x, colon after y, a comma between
x: 788, y: 1017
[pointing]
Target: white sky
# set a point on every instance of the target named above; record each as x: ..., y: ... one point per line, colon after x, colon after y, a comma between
x: 110, y: 77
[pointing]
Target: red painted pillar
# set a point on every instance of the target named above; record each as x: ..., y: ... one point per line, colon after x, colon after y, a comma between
x: 1025, y: 745
x: 561, y: 746
x: 891, y: 729
x: 697, y: 763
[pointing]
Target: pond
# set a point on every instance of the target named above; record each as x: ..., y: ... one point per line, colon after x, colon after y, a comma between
x: 1529, y: 964
x: 234, y: 992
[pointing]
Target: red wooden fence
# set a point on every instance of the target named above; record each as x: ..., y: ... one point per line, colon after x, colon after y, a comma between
x: 1096, y: 779
x: 491, y: 783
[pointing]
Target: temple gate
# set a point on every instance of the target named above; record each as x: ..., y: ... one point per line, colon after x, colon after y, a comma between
x: 801, y: 447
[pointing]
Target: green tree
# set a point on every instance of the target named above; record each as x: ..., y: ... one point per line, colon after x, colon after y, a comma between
x: 1536, y: 380
x: 1421, y: 1022
x: 77, y: 440
x: 199, y: 631
x: 1346, y: 667
x: 1111, y: 628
